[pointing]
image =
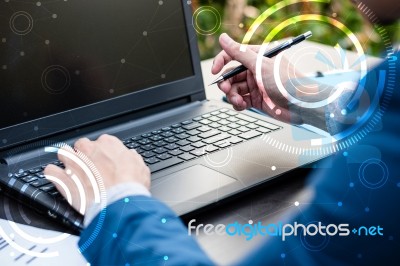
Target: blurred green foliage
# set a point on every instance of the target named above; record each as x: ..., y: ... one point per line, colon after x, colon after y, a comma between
x: 238, y: 15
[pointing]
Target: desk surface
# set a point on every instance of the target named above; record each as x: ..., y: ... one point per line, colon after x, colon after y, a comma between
x: 267, y: 204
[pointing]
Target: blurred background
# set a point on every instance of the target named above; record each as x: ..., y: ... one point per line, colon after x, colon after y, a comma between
x: 212, y: 17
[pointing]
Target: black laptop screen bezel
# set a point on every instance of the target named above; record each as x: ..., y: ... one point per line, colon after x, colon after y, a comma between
x: 78, y: 117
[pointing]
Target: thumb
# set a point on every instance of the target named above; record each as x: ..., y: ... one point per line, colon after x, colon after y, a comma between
x: 248, y: 58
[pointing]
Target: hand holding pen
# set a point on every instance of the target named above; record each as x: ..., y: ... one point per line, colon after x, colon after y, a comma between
x: 240, y: 85
x: 271, y: 53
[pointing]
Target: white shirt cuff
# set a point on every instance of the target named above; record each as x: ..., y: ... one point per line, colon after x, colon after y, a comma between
x: 114, y: 194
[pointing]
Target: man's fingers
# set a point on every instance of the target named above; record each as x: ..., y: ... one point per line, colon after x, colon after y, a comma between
x: 61, y: 180
x: 219, y: 62
x: 232, y: 49
x: 84, y: 145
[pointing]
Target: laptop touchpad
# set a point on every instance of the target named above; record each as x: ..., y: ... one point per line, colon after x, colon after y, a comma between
x: 189, y: 183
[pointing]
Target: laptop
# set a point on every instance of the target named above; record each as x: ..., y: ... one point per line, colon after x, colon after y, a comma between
x: 72, y: 69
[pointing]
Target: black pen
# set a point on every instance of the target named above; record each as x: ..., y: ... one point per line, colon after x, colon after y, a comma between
x: 271, y: 53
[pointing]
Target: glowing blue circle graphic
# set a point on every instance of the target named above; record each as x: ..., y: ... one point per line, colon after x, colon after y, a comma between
x: 373, y: 163
x: 314, y: 247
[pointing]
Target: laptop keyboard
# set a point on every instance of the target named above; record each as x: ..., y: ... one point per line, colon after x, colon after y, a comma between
x: 196, y: 137
x: 175, y: 144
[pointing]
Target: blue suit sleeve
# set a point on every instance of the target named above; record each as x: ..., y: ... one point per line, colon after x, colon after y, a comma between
x: 139, y: 230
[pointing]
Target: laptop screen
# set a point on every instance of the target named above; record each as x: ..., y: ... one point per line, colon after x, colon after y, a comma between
x: 60, y: 55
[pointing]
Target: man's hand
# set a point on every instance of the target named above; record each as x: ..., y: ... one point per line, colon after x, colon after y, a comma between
x: 243, y: 91
x: 115, y: 163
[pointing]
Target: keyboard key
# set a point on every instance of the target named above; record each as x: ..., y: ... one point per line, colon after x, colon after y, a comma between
x: 224, y: 122
x: 127, y: 141
x: 144, y: 141
x: 155, y: 132
x: 160, y: 143
x: 165, y: 164
x: 235, y: 132
x: 187, y: 156
x: 242, y: 122
x: 151, y: 160
x: 172, y: 146
x: 48, y: 187
x: 187, y: 148
x: 132, y: 145
x: 252, y: 126
x: 223, y: 144
x: 232, y: 119
x: 235, y: 140
x: 224, y: 128
x: 198, y: 144
x: 211, y: 148
x: 209, y: 134
x: 146, y: 135
x: 216, y: 138
x: 23, y: 174
x: 250, y: 134
x: 136, y: 138
x: 233, y: 125
x: 175, y: 152
x: 182, y: 136
x: 35, y: 170
x: 205, y: 122
x: 40, y: 175
x: 55, y: 193
x: 164, y: 156
x: 148, y: 154
x: 246, y: 118
x: 176, y: 125
x: 40, y: 182
x: 178, y: 130
x: 194, y: 139
x: 263, y: 130
x: 204, y: 128
x: 197, y: 118
x: 206, y: 115
x: 199, y: 152
x: 215, y: 113
x: 243, y: 129
x: 214, y: 118
x: 160, y: 150
x: 167, y: 134
x: 166, y: 129
x: 191, y: 126
x: 193, y: 132
x: 29, y: 178
x: 223, y: 110
x: 187, y: 122
x: 223, y: 116
x: 148, y: 147
x: 183, y: 142
x: 214, y: 125
x: 267, y: 125
x: 232, y: 113
x: 171, y: 139
x: 156, y: 138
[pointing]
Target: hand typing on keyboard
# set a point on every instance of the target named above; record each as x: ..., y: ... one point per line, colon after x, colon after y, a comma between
x: 116, y: 165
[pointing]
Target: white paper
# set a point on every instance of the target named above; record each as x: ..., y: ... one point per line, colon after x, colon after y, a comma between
x: 27, y: 245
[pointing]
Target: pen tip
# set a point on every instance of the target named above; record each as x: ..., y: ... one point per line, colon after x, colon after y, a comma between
x: 217, y: 80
